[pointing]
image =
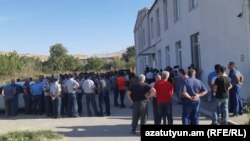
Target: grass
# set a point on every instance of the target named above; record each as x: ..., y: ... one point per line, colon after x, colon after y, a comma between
x: 247, y: 109
x: 43, y: 135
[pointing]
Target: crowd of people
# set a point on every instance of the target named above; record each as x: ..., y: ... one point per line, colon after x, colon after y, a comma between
x: 62, y: 95
x: 58, y: 96
x: 159, y: 86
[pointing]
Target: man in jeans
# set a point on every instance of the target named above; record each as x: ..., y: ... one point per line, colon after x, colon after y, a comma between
x: 164, y: 93
x: 221, y: 86
x: 121, y: 82
x: 210, y: 77
x: 191, y: 91
x: 72, y: 86
x: 88, y: 87
x: 104, y: 88
x: 138, y: 95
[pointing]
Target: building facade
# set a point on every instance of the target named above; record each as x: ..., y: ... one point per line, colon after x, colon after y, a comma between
x: 199, y: 32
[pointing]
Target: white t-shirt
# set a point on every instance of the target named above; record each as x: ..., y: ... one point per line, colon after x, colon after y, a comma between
x: 55, y: 89
x: 88, y: 86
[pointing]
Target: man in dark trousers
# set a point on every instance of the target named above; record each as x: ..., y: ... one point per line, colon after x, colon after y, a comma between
x: 139, y: 94
x: 191, y: 91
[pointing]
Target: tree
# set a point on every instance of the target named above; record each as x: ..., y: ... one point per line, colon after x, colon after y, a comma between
x: 130, y: 53
x: 58, y: 50
x: 117, y: 63
x: 94, y: 64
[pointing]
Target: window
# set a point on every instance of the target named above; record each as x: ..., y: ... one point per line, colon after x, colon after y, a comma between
x: 193, y: 4
x: 165, y: 8
x: 152, y: 27
x: 143, y: 37
x: 176, y: 10
x: 158, y: 22
x: 167, y: 53
x: 178, y: 54
x: 195, y: 50
x: 159, y: 60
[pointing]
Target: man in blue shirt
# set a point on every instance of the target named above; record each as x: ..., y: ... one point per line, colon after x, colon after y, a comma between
x: 191, y: 91
x: 9, y: 93
x: 235, y: 101
x: 37, y: 91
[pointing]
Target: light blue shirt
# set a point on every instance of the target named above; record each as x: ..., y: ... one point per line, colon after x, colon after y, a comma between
x: 36, y: 89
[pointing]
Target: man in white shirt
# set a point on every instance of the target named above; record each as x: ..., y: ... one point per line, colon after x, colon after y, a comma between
x: 88, y: 87
x: 71, y: 86
x: 55, y: 93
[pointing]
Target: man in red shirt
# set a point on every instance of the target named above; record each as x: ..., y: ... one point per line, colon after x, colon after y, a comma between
x: 121, y: 82
x: 164, y: 93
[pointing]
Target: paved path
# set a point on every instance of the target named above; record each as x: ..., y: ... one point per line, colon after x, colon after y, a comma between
x: 113, y: 128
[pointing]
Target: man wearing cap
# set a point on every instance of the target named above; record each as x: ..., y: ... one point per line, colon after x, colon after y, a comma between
x: 191, y: 91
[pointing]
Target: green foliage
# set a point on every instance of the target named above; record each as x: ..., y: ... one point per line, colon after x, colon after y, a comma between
x: 117, y: 63
x: 59, y: 60
x: 30, y: 136
x: 130, y: 53
x: 94, y: 64
x: 247, y: 109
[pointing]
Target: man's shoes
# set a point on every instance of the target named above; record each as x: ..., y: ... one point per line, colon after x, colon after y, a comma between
x: 133, y: 132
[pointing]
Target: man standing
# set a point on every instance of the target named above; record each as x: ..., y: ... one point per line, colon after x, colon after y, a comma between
x: 115, y: 89
x: 9, y: 93
x: 137, y: 94
x: 27, y: 97
x: 37, y: 91
x: 221, y: 86
x: 154, y: 102
x: 121, y: 82
x: 104, y: 88
x: 164, y: 93
x: 89, y: 90
x: 212, y: 75
x: 55, y: 93
x: 72, y: 85
x: 47, y: 98
x: 192, y: 89
x: 235, y: 101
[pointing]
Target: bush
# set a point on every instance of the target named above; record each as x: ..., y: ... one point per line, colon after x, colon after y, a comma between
x: 30, y: 136
x: 247, y: 109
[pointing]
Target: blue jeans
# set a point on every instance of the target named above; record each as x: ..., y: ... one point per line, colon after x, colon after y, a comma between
x: 37, y: 104
x: 79, y: 102
x: 28, y: 104
x: 90, y: 98
x: 48, y: 105
x: 190, y: 112
x: 235, y: 101
x: 104, y: 99
x: 57, y: 107
x: 72, y: 105
x: 221, y: 104
x: 116, y: 95
x: 165, y: 111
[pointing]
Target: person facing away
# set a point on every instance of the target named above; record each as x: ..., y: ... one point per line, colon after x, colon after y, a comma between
x: 27, y: 97
x: 139, y: 94
x: 72, y: 85
x: 121, y: 82
x: 37, y: 91
x: 235, y: 100
x: 191, y: 91
x: 210, y: 77
x: 157, y: 121
x: 9, y: 91
x: 55, y: 93
x: 89, y: 87
x: 164, y: 93
x: 104, y: 89
x: 221, y: 87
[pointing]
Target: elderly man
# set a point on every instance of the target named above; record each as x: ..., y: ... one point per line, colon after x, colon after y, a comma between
x: 154, y: 102
x: 191, y: 91
x: 164, y: 93
x: 139, y: 94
